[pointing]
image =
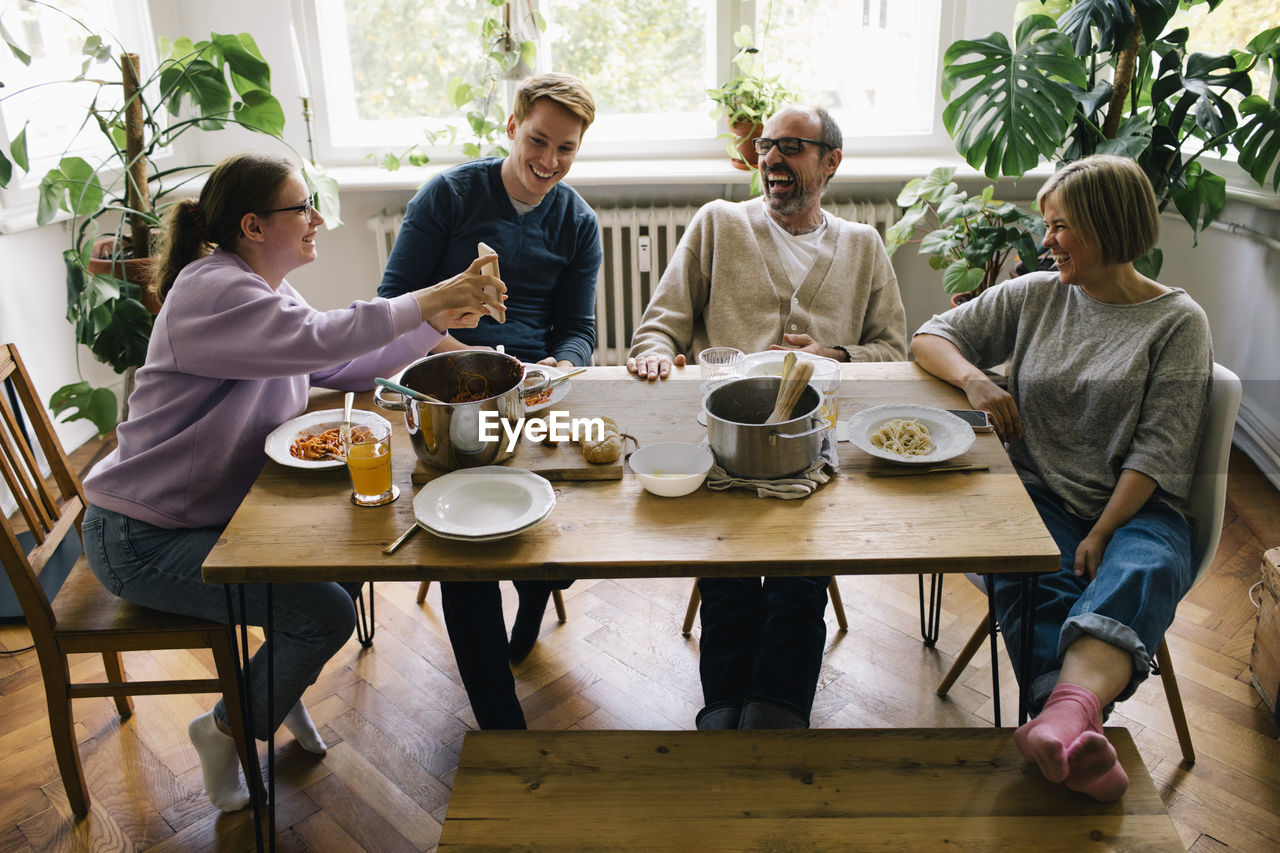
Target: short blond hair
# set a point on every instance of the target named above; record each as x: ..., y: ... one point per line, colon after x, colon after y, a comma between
x: 564, y: 89
x: 1109, y: 200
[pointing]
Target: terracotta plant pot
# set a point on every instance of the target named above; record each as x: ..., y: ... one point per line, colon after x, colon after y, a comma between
x: 746, y: 133
x: 961, y: 298
x: 134, y: 270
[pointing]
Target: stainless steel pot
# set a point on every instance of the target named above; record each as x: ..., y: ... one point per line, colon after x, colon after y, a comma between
x: 745, y: 446
x: 447, y: 434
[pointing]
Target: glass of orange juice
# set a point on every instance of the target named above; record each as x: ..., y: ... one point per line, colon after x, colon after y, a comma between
x: 368, y: 449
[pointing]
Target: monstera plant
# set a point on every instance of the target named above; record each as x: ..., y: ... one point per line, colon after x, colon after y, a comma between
x: 1111, y: 76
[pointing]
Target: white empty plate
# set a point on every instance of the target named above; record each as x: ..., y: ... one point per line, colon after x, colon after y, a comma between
x: 951, y: 435
x: 489, y: 502
x: 280, y: 439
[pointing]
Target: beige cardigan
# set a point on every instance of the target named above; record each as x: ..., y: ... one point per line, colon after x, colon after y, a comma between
x: 725, y: 286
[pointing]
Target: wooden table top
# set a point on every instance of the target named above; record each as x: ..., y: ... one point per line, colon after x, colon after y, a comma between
x: 298, y: 525
x: 812, y: 789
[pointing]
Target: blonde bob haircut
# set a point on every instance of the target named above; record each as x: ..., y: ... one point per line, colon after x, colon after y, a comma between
x: 1109, y: 201
x: 565, y: 89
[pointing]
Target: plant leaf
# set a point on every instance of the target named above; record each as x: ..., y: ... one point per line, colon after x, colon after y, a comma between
x: 1111, y: 19
x: 1201, y: 199
x: 260, y: 111
x: 81, y: 402
x: 18, y: 149
x: 1258, y: 140
x: 1015, y: 111
x: 18, y: 53
x: 249, y: 71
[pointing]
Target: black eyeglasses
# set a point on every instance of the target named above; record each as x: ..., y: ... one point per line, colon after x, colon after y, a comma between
x: 789, y: 145
x: 307, y: 208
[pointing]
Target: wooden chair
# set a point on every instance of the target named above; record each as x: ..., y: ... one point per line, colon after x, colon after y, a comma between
x: 84, y: 618
x: 556, y: 597
x: 1208, y: 501
x: 695, y: 599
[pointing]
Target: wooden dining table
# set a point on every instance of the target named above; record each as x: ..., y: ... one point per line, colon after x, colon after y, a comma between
x: 300, y: 526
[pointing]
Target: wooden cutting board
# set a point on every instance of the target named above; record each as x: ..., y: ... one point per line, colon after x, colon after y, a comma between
x: 562, y: 461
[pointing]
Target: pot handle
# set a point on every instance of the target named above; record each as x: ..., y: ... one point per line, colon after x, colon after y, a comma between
x: 774, y: 434
x: 539, y: 387
x: 400, y: 405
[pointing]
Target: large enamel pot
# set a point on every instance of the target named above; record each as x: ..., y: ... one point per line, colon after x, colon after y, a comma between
x: 744, y: 446
x: 447, y: 434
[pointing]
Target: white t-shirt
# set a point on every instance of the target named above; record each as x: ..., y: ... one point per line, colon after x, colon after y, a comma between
x: 797, y: 251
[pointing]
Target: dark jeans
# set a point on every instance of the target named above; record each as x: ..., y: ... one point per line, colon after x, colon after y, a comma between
x: 473, y: 617
x: 762, y: 639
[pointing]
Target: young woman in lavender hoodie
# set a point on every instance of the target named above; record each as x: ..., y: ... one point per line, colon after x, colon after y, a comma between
x: 233, y: 354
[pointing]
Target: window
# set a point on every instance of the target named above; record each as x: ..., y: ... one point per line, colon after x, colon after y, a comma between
x: 387, y: 64
x: 54, y: 113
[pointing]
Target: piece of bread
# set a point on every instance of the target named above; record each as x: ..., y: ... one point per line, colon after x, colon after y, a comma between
x: 490, y: 268
x: 608, y: 448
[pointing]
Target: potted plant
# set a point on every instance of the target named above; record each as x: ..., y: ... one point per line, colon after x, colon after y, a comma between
x: 114, y: 204
x: 1108, y: 76
x: 969, y: 237
x: 747, y: 99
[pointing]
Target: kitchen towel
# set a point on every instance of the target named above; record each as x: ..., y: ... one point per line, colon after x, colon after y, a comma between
x: 789, y: 488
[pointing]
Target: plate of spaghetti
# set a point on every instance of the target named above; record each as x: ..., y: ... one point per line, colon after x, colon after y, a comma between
x: 910, y: 434
x: 312, y: 440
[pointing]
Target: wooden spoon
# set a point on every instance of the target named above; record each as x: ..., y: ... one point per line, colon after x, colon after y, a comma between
x: 788, y: 364
x: 790, y: 393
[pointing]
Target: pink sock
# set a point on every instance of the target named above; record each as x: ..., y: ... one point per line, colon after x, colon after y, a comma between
x: 1069, y: 712
x: 1095, y: 770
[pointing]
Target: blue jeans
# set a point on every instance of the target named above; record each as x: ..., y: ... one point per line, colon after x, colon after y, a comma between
x: 160, y: 568
x: 1147, y: 568
x: 762, y: 640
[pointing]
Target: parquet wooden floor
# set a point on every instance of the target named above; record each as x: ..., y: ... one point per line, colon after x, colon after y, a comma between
x: 394, y: 715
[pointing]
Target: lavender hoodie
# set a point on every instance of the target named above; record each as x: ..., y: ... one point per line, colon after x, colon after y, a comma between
x: 230, y: 359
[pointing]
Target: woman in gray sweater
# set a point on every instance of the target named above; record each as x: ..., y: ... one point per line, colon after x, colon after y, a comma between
x: 1109, y: 375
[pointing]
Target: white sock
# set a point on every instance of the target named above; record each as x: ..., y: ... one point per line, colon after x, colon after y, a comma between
x: 219, y: 764
x: 300, y: 725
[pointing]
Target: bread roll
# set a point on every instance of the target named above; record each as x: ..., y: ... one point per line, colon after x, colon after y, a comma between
x: 608, y: 448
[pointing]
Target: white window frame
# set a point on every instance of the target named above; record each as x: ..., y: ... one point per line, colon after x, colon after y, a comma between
x: 352, y: 148
x: 18, y: 201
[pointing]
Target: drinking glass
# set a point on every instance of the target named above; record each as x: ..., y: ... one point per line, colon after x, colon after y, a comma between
x: 719, y: 364
x: 826, y: 381
x: 368, y: 449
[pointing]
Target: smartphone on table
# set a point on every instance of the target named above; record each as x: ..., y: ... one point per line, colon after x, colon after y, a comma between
x: 980, y: 421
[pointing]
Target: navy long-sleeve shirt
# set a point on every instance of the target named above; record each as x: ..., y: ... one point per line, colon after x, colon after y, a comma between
x: 549, y: 259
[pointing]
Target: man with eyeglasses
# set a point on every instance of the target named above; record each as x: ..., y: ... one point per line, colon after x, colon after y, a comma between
x: 776, y: 272
x: 772, y: 273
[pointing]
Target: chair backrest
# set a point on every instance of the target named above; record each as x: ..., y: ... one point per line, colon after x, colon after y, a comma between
x: 1208, y: 496
x: 49, y: 517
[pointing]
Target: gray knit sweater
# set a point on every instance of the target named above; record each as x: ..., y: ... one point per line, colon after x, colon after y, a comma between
x: 725, y: 286
x: 1099, y: 387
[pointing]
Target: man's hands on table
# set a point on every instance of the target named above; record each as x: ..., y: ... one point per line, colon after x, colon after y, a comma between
x: 804, y: 343
x: 653, y: 367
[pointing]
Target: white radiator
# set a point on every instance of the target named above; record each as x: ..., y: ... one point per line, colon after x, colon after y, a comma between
x: 385, y: 226
x: 638, y: 244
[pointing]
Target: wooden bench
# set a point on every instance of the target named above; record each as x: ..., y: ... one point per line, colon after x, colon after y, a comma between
x: 810, y: 790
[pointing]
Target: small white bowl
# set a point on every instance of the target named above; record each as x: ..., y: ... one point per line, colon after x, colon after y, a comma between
x: 671, y: 468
